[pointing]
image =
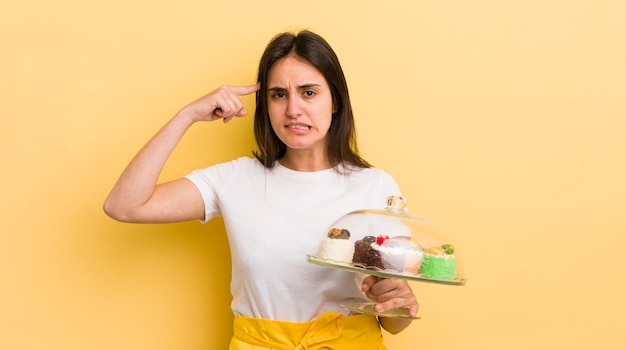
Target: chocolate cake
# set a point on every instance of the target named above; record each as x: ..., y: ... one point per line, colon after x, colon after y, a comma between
x: 365, y: 255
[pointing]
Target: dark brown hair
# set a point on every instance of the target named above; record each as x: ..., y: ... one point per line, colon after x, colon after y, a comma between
x: 313, y: 49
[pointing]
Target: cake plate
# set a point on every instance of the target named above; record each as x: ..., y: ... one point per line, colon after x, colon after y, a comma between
x: 457, y: 281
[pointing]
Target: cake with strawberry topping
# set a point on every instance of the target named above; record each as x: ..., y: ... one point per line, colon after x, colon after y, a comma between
x: 439, y: 262
x: 399, y: 254
x: 336, y: 247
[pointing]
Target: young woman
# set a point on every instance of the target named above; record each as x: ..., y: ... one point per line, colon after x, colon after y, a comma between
x: 277, y: 206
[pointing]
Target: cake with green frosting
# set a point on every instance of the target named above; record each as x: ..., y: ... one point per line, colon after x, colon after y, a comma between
x: 439, y: 263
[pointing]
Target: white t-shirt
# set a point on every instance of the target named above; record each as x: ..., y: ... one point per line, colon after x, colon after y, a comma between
x: 274, y: 219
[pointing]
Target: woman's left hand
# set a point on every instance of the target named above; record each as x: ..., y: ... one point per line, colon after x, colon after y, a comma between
x: 390, y: 293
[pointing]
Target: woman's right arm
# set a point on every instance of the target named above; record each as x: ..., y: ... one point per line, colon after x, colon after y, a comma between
x: 137, y: 197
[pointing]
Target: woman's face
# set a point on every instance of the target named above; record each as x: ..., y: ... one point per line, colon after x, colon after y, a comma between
x: 299, y: 104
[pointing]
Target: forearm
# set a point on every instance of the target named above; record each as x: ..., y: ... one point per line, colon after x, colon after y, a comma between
x: 138, y: 181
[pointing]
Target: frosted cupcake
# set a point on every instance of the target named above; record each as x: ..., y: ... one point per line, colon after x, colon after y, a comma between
x: 439, y: 263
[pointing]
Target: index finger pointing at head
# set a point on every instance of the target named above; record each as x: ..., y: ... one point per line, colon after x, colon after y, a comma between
x: 246, y: 90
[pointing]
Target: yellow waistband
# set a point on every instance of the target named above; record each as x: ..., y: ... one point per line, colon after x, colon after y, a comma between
x: 330, y: 331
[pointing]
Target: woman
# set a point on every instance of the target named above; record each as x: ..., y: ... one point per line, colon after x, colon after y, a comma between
x: 277, y: 206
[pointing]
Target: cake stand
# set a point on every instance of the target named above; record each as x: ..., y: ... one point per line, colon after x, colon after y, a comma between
x: 399, y: 237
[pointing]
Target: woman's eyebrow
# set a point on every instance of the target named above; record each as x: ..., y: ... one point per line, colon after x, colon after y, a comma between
x: 300, y: 87
x: 277, y: 89
x: 307, y: 86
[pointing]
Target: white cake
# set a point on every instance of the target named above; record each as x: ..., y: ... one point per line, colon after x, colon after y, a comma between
x: 399, y: 255
x: 337, y: 250
x: 337, y: 247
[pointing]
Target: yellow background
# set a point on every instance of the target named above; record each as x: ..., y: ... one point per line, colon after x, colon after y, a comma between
x: 504, y: 121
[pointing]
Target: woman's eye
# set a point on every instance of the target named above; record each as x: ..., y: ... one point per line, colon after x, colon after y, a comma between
x: 309, y: 93
x: 278, y: 95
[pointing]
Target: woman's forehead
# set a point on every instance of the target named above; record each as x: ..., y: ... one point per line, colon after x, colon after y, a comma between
x: 294, y: 71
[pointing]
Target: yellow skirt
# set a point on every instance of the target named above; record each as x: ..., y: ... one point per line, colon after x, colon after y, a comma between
x: 330, y: 331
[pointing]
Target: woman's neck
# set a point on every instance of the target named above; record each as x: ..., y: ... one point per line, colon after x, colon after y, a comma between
x: 305, y: 161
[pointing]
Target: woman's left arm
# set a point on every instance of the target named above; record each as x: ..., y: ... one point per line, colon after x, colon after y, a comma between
x: 391, y: 293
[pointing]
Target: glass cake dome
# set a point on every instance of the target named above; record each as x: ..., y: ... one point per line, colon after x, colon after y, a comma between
x: 390, y: 242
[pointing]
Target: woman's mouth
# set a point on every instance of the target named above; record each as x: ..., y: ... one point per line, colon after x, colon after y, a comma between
x: 298, y: 127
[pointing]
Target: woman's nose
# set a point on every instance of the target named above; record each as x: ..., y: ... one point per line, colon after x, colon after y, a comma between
x: 294, y: 107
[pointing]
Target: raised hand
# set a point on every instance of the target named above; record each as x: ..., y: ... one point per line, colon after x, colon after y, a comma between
x: 223, y: 103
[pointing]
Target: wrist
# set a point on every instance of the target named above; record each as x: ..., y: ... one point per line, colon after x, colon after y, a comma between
x: 185, y: 118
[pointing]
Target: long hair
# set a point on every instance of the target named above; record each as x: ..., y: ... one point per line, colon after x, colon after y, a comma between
x: 313, y: 49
